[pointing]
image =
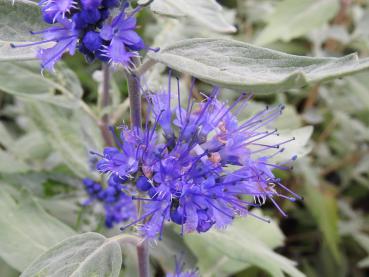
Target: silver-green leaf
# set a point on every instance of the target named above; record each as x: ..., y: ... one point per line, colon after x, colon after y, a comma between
x: 26, y: 230
x: 243, y: 66
x: 16, y: 22
x: 85, y: 255
x: 24, y: 79
x: 64, y: 132
x: 247, y: 243
x: 206, y: 12
x: 303, y: 17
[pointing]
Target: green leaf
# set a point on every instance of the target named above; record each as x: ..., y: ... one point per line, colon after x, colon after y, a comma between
x: 363, y: 240
x: 31, y: 146
x: 172, y: 245
x: 248, y: 241
x: 64, y: 133
x: 364, y: 263
x: 88, y: 254
x: 24, y: 79
x: 293, y: 18
x: 323, y: 207
x: 7, y: 271
x: 243, y: 66
x: 355, y: 101
x: 10, y: 164
x: 16, y: 22
x: 206, y: 12
x: 6, y: 137
x: 26, y: 230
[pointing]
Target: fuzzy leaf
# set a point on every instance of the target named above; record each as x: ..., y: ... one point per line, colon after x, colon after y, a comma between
x: 88, y: 254
x: 24, y: 79
x: 323, y: 207
x: 26, y: 230
x: 16, y: 22
x: 64, y: 133
x: 246, y: 242
x: 206, y: 12
x: 10, y: 164
x: 239, y: 65
x: 171, y: 245
x: 303, y: 16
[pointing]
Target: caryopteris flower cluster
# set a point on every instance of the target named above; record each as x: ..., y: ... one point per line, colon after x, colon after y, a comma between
x: 118, y: 206
x: 99, y: 29
x: 195, y: 164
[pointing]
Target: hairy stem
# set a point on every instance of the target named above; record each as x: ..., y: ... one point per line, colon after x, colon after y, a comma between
x: 133, y: 81
x: 134, y: 99
x: 143, y: 259
x: 104, y: 102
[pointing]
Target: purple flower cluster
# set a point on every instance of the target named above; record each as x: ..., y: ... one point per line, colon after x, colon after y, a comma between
x: 91, y: 27
x: 196, y: 165
x: 118, y: 206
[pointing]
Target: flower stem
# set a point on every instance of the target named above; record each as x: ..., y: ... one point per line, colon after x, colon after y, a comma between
x: 104, y: 102
x: 143, y: 259
x: 134, y: 99
x: 133, y: 81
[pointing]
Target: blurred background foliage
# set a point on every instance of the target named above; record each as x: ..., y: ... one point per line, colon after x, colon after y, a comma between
x: 46, y: 133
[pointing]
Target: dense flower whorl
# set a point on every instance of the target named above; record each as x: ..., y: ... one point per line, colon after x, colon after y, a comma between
x: 203, y: 169
x: 118, y: 206
x: 91, y: 27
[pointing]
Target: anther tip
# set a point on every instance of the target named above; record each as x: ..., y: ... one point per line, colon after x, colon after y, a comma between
x: 12, y: 45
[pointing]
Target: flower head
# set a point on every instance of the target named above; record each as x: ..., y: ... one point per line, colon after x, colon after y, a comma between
x: 198, y: 166
x: 89, y: 27
x: 118, y: 206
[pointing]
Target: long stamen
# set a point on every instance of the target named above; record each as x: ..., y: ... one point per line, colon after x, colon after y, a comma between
x: 179, y: 101
x: 57, y: 54
x: 231, y: 108
x: 140, y: 219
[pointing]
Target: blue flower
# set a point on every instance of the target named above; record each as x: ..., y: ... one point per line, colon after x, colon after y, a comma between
x: 65, y: 39
x: 87, y: 25
x: 208, y: 167
x: 91, y: 4
x: 122, y: 37
x: 53, y: 9
x: 118, y: 206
